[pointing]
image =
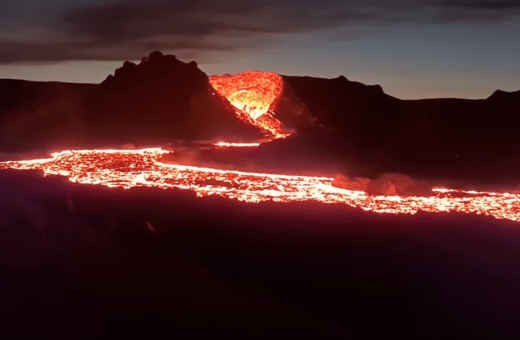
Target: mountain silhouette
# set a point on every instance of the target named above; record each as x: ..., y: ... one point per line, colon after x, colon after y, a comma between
x: 33, y: 114
x: 473, y: 140
x: 158, y: 100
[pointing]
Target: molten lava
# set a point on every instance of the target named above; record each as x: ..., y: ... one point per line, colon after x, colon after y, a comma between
x: 134, y: 168
x: 236, y: 145
x: 254, y: 95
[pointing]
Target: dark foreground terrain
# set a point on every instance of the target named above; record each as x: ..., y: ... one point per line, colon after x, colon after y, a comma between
x: 93, y: 262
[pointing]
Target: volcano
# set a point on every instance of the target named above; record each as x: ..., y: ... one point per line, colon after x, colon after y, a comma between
x: 166, y: 201
x: 360, y: 129
x: 160, y: 100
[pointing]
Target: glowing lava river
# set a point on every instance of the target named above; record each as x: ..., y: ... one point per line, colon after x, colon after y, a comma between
x: 134, y: 168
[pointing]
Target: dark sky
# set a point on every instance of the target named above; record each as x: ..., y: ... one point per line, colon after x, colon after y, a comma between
x: 413, y: 48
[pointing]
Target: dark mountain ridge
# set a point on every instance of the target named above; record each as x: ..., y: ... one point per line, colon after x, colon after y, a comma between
x: 16, y: 94
x: 473, y: 140
x: 33, y: 114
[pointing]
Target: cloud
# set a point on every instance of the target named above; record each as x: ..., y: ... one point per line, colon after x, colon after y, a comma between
x: 131, y: 29
x: 11, y: 52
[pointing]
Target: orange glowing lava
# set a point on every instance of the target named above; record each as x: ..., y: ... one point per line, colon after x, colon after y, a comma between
x: 134, y: 168
x: 253, y: 94
x: 236, y: 145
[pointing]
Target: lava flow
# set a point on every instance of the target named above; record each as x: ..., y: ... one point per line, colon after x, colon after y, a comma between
x: 235, y: 145
x: 254, y: 95
x: 134, y: 168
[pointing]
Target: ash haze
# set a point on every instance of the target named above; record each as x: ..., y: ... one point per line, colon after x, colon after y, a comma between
x: 413, y: 49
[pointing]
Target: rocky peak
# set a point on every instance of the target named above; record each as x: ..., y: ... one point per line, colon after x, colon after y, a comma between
x: 154, y: 67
